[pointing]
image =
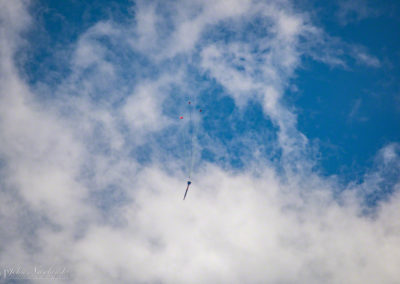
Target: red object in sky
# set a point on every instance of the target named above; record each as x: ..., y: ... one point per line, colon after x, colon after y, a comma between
x: 181, y: 117
x: 200, y: 110
x: 189, y: 102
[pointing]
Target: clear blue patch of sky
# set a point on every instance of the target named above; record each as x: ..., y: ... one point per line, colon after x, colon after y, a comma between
x: 353, y: 112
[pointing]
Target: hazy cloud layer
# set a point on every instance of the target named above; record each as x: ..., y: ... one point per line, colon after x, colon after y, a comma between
x: 92, y: 171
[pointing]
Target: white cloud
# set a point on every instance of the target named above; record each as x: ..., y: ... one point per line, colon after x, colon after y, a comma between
x: 142, y: 110
x: 389, y: 153
x: 367, y: 59
x: 59, y: 170
x: 333, y: 51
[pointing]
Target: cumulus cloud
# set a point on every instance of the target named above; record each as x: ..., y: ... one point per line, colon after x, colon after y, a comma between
x: 76, y: 193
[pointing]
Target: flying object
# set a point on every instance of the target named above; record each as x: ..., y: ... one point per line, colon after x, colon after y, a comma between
x: 188, y: 184
x: 192, y: 133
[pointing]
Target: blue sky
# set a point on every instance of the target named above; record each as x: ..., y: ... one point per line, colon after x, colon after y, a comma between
x: 356, y: 109
x: 296, y: 146
x: 348, y: 112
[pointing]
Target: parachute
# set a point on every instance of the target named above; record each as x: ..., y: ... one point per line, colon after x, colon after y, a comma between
x: 188, y: 141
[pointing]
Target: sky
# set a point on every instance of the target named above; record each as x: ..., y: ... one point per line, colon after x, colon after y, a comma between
x: 294, y: 158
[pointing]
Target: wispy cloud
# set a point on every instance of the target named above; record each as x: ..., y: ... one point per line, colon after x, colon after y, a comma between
x: 355, y: 112
x: 353, y: 11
